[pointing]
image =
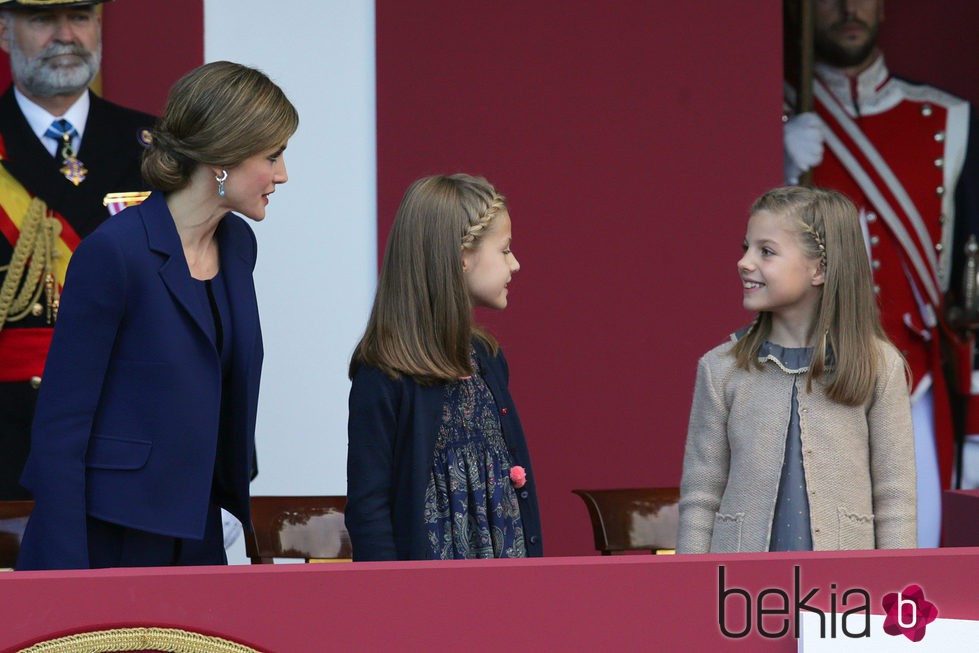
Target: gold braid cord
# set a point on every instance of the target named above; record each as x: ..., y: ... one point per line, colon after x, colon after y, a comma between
x: 117, y: 640
x: 33, y: 258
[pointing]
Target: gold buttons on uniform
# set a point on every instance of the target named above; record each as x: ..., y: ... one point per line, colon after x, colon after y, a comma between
x: 939, y: 247
x: 940, y: 191
x: 871, y: 217
x: 940, y: 137
x: 875, y: 264
x: 876, y: 290
x: 926, y: 110
x: 35, y: 382
x: 939, y: 162
x: 874, y: 241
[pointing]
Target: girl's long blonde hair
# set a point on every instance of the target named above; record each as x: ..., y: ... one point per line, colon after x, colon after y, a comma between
x: 421, y: 323
x: 846, y: 330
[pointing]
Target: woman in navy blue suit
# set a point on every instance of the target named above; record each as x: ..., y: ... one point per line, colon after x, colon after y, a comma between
x: 145, y: 425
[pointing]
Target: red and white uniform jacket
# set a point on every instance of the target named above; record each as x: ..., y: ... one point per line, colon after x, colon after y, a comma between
x: 901, y: 151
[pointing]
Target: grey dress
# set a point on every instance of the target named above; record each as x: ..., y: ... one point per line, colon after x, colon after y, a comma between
x: 791, y: 524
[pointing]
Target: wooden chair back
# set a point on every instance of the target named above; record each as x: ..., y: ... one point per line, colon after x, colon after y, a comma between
x: 633, y: 519
x: 307, y: 527
x: 13, y: 521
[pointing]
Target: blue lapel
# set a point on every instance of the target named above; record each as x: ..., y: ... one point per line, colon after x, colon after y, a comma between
x: 162, y: 237
x: 236, y: 251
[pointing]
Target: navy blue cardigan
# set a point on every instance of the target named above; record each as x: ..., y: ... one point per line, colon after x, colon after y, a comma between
x: 391, y: 444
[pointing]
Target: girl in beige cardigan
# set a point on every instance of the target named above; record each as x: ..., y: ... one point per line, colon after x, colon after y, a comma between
x: 800, y: 432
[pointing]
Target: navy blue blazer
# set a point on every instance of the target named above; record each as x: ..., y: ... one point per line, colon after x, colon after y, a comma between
x: 126, y: 428
x: 391, y: 432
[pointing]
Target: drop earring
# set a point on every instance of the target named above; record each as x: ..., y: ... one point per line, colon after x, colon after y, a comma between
x: 221, y: 180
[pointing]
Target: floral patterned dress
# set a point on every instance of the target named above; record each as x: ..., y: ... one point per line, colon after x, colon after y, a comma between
x: 471, y: 507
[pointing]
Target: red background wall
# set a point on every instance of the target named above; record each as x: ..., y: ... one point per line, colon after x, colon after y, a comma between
x: 630, y: 138
x: 935, y: 43
x: 147, y: 46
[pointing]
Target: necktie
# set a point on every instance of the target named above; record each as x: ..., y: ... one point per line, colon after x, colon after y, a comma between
x: 63, y: 132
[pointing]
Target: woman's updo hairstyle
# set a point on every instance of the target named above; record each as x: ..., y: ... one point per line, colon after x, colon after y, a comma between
x: 218, y: 114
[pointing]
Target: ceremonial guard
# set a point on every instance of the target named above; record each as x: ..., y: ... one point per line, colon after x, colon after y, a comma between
x: 907, y: 155
x: 69, y: 158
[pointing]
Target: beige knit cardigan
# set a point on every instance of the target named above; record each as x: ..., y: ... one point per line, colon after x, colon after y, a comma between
x: 858, y: 460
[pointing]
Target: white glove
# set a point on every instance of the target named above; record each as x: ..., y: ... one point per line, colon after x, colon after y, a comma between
x: 803, y: 143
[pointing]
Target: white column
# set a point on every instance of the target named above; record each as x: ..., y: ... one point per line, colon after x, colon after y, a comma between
x: 317, y: 246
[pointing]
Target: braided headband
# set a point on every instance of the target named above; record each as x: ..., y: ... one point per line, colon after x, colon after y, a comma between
x: 819, y: 243
x: 476, y: 230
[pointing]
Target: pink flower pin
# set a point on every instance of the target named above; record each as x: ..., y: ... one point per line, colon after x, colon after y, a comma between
x: 518, y: 476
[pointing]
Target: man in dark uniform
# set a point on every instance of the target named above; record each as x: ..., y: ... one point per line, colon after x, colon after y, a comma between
x: 66, y: 156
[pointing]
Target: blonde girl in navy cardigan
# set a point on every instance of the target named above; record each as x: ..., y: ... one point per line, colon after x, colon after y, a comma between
x: 437, y: 464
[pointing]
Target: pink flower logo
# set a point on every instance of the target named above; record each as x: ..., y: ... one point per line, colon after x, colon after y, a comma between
x: 518, y: 476
x: 908, y: 612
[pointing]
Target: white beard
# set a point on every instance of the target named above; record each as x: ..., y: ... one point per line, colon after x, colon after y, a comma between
x: 41, y: 77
